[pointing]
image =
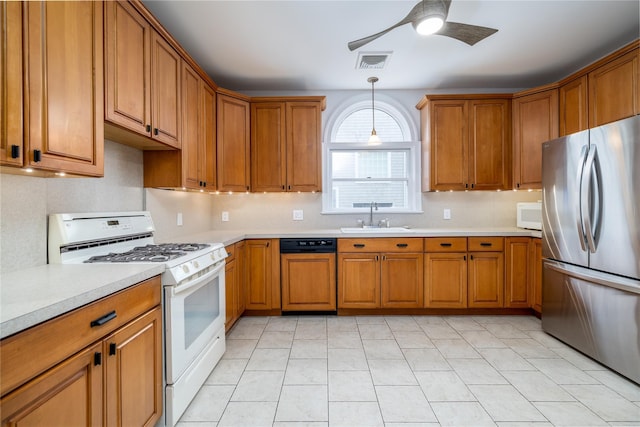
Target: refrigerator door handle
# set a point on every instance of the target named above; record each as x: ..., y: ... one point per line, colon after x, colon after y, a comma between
x: 582, y: 192
x: 617, y: 282
x: 590, y: 198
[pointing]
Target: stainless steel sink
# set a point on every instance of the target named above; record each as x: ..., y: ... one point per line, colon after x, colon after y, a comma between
x: 376, y: 230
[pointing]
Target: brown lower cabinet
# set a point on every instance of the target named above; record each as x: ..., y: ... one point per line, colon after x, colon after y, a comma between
x: 380, y: 273
x: 308, y: 281
x: 234, y: 284
x: 262, y: 274
x: 535, y: 258
x: 464, y: 272
x: 65, y: 372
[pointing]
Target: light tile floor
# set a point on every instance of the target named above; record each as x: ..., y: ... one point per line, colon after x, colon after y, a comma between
x: 411, y: 371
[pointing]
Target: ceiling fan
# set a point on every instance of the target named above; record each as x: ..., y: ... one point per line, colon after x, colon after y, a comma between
x: 430, y: 17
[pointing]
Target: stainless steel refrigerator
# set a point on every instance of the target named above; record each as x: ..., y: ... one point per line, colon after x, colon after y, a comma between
x: 591, y: 243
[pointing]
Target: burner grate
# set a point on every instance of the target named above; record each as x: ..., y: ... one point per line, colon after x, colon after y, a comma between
x: 150, y: 253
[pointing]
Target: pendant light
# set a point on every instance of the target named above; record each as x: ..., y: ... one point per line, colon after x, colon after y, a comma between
x: 374, y: 139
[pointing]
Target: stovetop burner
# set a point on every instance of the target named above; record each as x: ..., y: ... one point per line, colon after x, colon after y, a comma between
x: 150, y: 253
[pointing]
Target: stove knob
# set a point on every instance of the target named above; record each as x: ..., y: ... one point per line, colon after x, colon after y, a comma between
x: 185, y: 268
x: 195, y: 264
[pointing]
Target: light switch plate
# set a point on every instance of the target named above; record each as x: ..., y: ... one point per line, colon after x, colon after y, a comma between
x: 298, y: 214
x: 179, y: 219
x: 225, y: 216
x: 446, y: 214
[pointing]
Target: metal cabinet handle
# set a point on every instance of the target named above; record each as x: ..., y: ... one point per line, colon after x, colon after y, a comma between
x: 485, y: 244
x: 97, y: 359
x: 402, y: 245
x: 37, y: 155
x: 112, y: 349
x: 446, y: 245
x: 464, y: 257
x: 15, y: 151
x: 358, y: 245
x: 155, y: 131
x: 104, y: 319
x: 148, y: 128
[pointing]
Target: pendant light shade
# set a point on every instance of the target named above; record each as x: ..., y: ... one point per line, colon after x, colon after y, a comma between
x: 374, y: 139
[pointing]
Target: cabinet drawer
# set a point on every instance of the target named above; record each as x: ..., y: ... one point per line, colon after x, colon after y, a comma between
x: 400, y: 244
x: 29, y: 353
x: 491, y: 244
x: 445, y: 244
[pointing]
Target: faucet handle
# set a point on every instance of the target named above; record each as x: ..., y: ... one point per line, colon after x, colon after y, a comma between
x: 384, y: 223
x: 360, y: 223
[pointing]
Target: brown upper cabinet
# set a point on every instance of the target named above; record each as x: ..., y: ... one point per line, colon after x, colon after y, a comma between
x: 535, y: 120
x: 233, y: 142
x: 606, y: 91
x: 194, y: 166
x: 286, y: 144
x: 53, y: 50
x: 466, y: 142
x: 142, y: 80
x: 11, y: 123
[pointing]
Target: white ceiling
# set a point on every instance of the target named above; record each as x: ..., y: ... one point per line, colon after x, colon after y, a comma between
x: 302, y: 44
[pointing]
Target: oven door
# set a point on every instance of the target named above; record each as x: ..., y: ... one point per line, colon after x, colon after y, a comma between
x: 194, y: 314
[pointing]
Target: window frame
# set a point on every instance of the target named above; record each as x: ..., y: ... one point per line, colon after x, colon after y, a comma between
x: 413, y: 147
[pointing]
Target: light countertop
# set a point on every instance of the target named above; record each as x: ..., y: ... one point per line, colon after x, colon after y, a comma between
x: 228, y: 237
x: 34, y: 295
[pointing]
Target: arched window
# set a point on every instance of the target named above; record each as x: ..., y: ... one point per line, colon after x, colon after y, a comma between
x: 357, y: 174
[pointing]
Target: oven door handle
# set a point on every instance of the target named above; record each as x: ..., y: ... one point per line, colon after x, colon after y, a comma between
x: 197, y: 282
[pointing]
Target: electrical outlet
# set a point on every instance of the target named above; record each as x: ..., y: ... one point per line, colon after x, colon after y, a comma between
x: 446, y: 214
x: 225, y: 216
x: 298, y: 214
x: 179, y: 219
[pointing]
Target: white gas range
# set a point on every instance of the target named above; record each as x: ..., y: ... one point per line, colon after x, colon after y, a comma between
x: 193, y: 297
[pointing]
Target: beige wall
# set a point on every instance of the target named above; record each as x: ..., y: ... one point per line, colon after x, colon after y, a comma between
x: 275, y: 211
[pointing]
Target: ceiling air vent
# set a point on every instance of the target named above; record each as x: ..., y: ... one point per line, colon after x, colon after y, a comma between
x: 372, y: 60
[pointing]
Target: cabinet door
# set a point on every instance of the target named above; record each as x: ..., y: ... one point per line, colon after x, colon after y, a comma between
x: 573, y: 115
x: 445, y: 276
x: 308, y: 281
x: 517, y: 274
x: 268, y: 148
x: 207, y: 146
x: 402, y: 282
x: 304, y: 164
x: 133, y: 367
x: 536, y: 274
x: 64, y: 86
x: 128, y: 71
x: 191, y: 106
x: 69, y: 394
x: 489, y: 144
x: 230, y: 286
x: 240, y: 278
x: 165, y: 92
x: 359, y: 280
x: 535, y: 120
x: 486, y: 279
x: 11, y: 123
x: 449, y: 145
x: 233, y: 144
x: 614, y: 90
x: 262, y: 274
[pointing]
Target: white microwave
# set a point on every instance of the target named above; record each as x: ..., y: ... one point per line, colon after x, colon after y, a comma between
x: 529, y: 215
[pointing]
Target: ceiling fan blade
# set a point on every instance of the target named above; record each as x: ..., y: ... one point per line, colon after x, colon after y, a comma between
x: 356, y: 44
x: 470, y: 34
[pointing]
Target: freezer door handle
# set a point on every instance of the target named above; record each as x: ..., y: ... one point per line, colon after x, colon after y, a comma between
x: 590, y: 198
x: 604, y: 279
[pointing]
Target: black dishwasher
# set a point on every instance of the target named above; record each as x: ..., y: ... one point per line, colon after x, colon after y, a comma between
x: 308, y: 275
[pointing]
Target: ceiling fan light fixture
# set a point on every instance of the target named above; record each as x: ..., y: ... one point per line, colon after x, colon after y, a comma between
x: 429, y: 25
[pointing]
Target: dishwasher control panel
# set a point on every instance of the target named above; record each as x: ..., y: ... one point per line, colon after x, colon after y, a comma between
x: 289, y: 246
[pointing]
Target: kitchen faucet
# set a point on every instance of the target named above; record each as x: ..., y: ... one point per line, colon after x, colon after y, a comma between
x: 373, y: 205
